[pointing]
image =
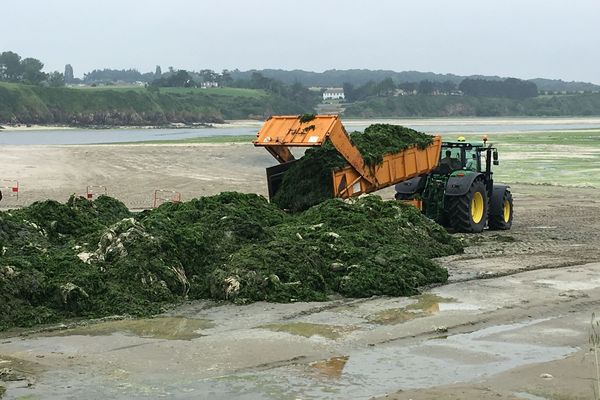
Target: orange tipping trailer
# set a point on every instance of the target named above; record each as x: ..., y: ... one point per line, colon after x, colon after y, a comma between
x: 279, y: 133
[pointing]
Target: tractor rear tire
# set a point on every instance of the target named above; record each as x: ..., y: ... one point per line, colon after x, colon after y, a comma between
x: 468, y: 213
x: 501, y: 214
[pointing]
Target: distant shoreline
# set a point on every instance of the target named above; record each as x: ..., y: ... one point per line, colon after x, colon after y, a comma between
x: 52, y: 127
x: 246, y: 123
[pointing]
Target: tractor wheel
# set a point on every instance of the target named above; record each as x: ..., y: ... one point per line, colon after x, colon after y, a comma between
x: 468, y: 213
x: 501, y: 213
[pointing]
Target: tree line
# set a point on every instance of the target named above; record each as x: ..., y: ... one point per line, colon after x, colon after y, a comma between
x: 28, y: 70
x: 511, y: 88
x: 184, y: 78
x: 359, y: 77
x: 295, y: 92
x: 13, y: 68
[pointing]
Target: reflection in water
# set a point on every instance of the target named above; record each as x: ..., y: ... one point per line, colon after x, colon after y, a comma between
x: 330, y: 368
x: 426, y: 304
x: 172, y: 328
x: 361, y: 374
x: 308, y: 329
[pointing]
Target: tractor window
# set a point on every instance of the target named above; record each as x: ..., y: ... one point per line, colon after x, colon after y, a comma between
x: 473, y: 161
x: 452, y: 157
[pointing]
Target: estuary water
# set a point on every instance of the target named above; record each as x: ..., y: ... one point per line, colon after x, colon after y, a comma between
x: 431, y: 126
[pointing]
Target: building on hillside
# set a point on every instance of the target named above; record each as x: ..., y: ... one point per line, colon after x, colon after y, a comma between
x: 206, y: 85
x: 334, y: 94
x: 402, y: 92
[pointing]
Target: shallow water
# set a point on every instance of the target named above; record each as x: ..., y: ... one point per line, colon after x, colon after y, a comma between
x: 309, y: 330
x: 99, y: 136
x: 171, y: 328
x: 363, y: 373
x: 432, y: 126
x: 385, y: 369
x: 426, y: 304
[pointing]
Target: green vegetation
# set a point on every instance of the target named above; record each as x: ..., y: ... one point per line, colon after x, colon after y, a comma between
x: 235, y: 92
x: 380, y: 139
x: 27, y: 70
x: 308, y: 181
x: 552, y: 158
x: 457, y: 106
x: 136, y: 106
x: 338, y: 77
x: 510, y: 88
x: 176, y: 97
x: 94, y: 259
x: 504, y: 88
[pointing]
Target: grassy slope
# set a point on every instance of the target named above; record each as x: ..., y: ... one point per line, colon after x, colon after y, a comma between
x: 238, y: 92
x: 135, y: 106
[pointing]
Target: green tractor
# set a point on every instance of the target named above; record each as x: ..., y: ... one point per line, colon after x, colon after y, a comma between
x: 460, y: 193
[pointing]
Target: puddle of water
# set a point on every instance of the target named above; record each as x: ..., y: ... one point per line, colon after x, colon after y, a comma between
x: 458, y: 307
x: 362, y: 374
x: 440, y: 337
x: 171, y: 328
x: 528, y: 396
x: 426, y: 304
x: 568, y: 285
x: 21, y: 367
x: 308, y: 330
x: 331, y: 368
x: 390, y: 368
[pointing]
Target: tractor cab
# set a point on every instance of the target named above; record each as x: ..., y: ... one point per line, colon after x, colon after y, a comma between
x: 460, y: 192
x: 468, y: 156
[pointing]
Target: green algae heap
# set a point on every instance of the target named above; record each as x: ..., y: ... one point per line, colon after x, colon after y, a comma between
x: 308, y: 181
x: 93, y: 259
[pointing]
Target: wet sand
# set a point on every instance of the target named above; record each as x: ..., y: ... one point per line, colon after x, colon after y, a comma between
x: 517, y: 306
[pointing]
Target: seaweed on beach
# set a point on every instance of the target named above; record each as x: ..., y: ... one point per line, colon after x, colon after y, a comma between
x: 308, y: 181
x: 94, y: 259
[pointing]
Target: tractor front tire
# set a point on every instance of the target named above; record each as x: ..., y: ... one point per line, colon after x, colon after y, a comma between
x: 468, y: 213
x: 501, y: 213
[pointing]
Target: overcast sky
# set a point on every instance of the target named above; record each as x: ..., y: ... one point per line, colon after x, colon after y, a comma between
x: 521, y: 38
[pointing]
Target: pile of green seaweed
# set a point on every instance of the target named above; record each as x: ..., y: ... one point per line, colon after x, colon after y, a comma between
x: 308, y: 181
x: 93, y: 259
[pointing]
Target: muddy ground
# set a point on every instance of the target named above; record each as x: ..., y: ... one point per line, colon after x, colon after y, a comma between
x: 512, y: 323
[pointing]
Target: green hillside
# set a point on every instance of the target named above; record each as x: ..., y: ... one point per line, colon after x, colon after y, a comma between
x: 136, y: 106
x: 457, y: 106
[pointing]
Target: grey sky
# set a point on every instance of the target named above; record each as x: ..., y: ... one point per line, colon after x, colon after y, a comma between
x: 522, y: 38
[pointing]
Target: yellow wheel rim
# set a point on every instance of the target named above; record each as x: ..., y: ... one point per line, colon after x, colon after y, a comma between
x: 477, y: 207
x: 506, y: 211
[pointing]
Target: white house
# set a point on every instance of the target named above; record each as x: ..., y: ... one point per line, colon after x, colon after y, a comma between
x: 334, y: 94
x: 206, y: 85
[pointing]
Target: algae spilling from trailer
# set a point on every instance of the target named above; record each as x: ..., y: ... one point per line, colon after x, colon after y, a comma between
x: 93, y: 259
x: 308, y: 181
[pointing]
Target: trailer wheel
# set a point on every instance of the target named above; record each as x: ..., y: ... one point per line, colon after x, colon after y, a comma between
x: 468, y: 213
x: 501, y: 213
